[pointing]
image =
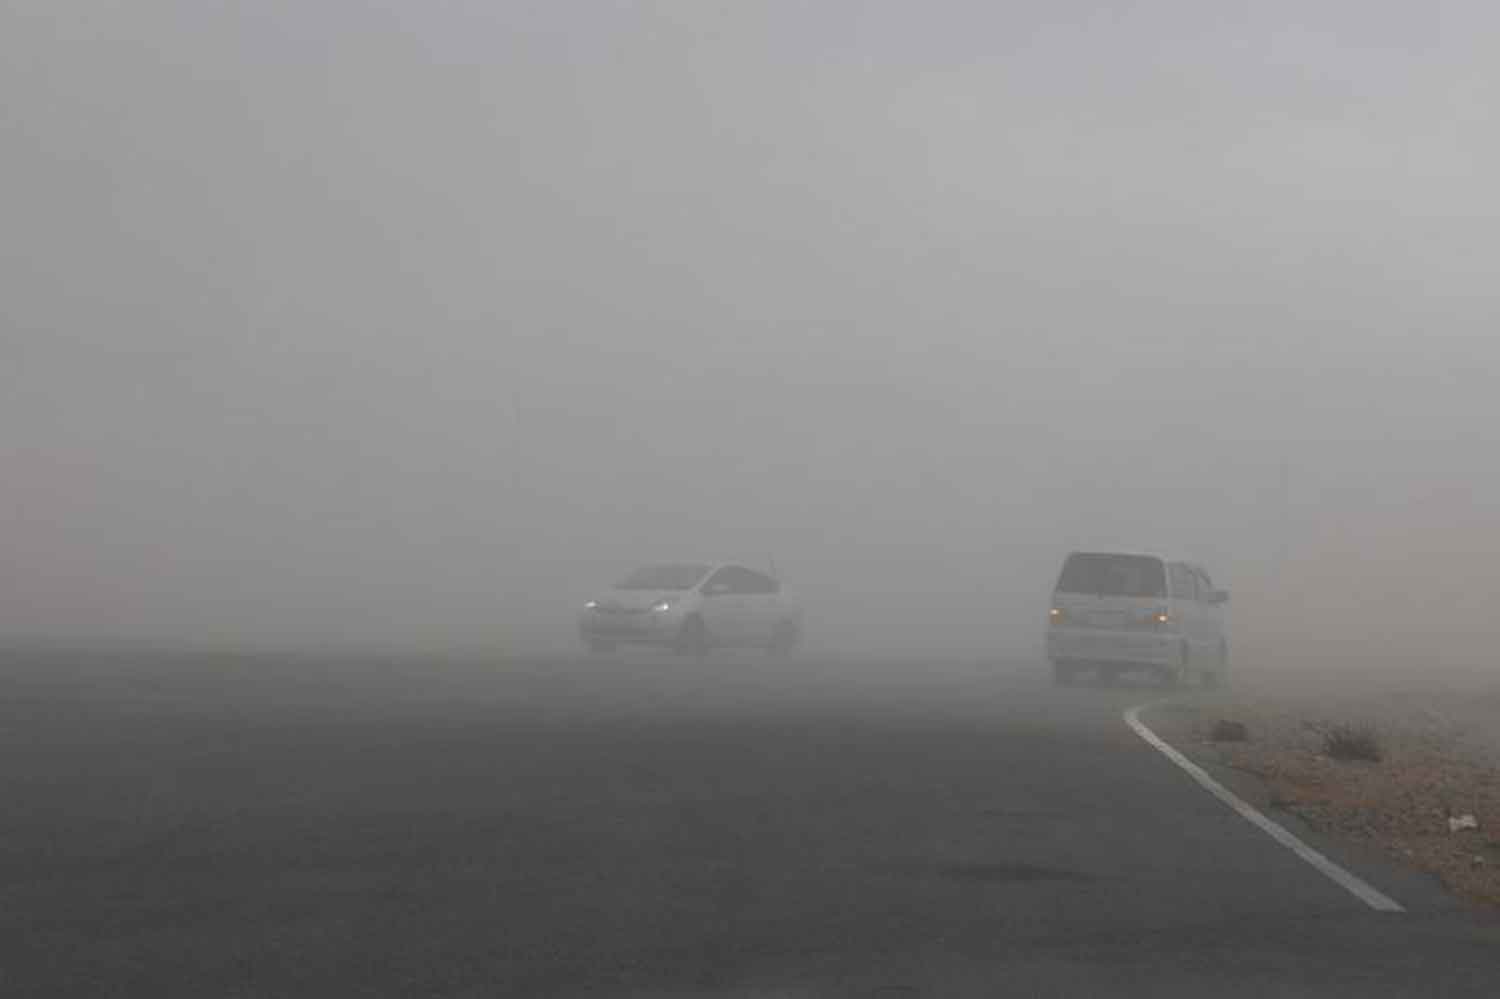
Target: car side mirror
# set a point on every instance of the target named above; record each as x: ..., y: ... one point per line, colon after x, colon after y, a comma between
x: 715, y: 589
x: 1218, y: 596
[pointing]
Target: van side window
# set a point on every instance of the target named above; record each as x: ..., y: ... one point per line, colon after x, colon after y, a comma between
x: 1184, y: 584
x: 1205, y: 585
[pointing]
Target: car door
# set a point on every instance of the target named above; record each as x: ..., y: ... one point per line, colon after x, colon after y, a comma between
x: 1212, y: 614
x: 1185, y: 605
x: 724, y: 610
x: 1204, y: 635
x: 763, y: 611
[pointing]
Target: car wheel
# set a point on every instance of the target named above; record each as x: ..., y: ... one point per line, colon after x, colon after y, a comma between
x: 693, y: 639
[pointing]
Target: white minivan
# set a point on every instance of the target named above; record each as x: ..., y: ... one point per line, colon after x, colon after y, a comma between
x: 1120, y: 612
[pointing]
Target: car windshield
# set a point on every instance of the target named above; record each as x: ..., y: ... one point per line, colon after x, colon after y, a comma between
x: 663, y: 577
x: 1113, y: 576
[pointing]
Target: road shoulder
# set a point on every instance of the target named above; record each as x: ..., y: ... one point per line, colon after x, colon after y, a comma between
x: 1386, y: 821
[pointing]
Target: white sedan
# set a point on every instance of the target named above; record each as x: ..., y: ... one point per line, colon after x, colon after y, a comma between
x: 693, y: 607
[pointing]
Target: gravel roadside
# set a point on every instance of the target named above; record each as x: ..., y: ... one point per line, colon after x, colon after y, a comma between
x: 1431, y: 799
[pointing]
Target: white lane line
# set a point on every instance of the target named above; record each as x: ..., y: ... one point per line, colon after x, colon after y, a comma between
x: 1357, y: 887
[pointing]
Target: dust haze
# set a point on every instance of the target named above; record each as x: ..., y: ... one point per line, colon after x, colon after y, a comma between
x: 337, y: 324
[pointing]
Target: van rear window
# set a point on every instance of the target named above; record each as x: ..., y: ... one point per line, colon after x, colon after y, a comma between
x: 1113, y: 575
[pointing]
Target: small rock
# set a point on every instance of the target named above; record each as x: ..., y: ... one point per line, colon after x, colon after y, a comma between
x: 1458, y: 823
x: 1229, y: 731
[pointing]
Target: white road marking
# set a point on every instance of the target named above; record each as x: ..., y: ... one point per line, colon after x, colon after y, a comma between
x: 1357, y: 887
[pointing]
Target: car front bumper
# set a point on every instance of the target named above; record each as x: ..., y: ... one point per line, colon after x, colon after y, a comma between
x: 651, y: 627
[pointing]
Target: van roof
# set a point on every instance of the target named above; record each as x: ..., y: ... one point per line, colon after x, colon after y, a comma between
x: 1133, y: 553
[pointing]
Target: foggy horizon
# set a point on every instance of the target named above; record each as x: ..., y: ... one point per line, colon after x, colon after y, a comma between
x: 337, y: 325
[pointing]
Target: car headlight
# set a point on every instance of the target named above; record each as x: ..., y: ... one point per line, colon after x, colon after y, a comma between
x: 591, y: 605
x: 662, y: 605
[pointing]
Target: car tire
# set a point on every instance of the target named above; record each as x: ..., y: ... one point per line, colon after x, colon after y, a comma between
x: 693, y: 639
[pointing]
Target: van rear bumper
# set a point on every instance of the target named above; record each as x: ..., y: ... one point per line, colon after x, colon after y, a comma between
x: 1102, y: 645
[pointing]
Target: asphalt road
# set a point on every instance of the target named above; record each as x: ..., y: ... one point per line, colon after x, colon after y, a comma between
x: 219, y: 826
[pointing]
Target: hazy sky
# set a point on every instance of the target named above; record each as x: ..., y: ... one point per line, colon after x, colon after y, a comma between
x: 412, y: 323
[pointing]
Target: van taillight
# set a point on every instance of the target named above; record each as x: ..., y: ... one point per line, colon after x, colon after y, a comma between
x: 1152, y: 620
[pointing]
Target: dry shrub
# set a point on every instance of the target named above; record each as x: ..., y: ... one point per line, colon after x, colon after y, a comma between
x: 1351, y: 741
x: 1229, y: 731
